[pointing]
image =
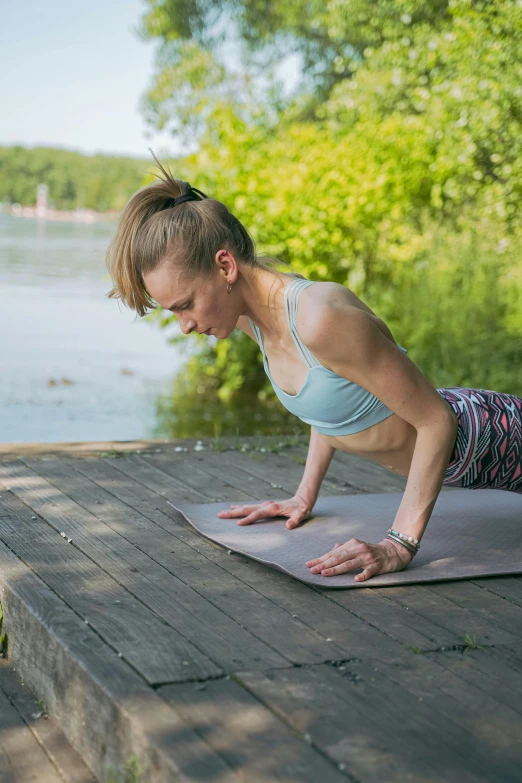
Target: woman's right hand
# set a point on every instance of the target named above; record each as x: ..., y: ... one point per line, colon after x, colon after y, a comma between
x: 297, y: 509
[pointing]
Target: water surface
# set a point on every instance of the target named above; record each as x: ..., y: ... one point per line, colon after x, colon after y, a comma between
x: 74, y: 365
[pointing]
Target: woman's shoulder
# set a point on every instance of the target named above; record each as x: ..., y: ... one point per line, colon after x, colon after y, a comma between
x: 330, y: 304
x: 324, y: 307
x: 326, y: 295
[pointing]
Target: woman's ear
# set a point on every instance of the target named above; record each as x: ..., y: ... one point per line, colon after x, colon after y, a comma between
x: 224, y: 263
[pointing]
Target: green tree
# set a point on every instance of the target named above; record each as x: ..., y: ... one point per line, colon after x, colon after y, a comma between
x: 211, y: 51
x: 377, y: 176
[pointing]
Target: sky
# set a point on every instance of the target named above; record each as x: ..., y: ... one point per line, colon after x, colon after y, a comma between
x: 72, y: 74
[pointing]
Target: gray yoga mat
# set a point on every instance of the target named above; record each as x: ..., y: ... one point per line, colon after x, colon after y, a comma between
x: 470, y: 533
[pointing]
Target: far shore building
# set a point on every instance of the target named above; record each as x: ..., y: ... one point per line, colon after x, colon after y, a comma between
x: 42, y: 211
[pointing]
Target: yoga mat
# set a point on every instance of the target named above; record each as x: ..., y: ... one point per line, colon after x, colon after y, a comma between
x: 470, y: 533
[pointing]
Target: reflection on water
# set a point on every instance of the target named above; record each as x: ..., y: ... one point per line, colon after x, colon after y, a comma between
x: 74, y: 365
x: 195, y: 416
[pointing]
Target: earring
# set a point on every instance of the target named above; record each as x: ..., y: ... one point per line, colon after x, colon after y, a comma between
x: 229, y: 288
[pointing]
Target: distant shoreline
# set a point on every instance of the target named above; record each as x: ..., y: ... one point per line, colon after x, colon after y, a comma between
x: 80, y: 215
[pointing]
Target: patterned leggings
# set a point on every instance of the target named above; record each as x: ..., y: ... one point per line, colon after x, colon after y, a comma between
x: 488, y: 447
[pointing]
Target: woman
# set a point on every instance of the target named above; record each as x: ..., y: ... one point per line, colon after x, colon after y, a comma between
x: 331, y: 361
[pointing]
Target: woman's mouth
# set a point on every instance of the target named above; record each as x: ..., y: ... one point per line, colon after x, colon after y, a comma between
x: 208, y: 331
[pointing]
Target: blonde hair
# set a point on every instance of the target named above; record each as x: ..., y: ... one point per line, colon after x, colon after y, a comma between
x: 152, y: 227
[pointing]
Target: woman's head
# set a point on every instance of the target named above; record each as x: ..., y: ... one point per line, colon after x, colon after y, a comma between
x: 162, y: 251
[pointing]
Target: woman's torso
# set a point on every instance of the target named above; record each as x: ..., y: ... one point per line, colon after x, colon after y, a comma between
x: 390, y: 442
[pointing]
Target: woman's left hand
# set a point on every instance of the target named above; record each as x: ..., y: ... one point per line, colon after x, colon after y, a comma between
x: 375, y: 559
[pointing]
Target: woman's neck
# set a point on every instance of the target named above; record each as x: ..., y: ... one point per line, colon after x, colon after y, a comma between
x: 263, y: 295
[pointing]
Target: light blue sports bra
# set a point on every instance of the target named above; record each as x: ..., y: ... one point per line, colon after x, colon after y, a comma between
x: 331, y: 404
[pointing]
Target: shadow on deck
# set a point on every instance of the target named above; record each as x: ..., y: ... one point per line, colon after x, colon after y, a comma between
x: 149, y: 642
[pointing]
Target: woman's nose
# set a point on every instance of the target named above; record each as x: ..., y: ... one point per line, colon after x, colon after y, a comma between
x: 187, y: 327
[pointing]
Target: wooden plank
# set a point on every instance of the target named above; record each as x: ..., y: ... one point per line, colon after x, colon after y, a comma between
x: 353, y: 635
x: 371, y: 726
x: 260, y: 476
x: 81, y: 447
x: 257, y: 744
x: 156, y: 650
x: 287, y: 481
x: 105, y: 708
x: 429, y: 624
x: 21, y: 757
x: 493, y: 725
x: 361, y: 718
x: 446, y: 623
x: 502, y: 615
x: 6, y: 499
x: 112, y: 476
x: 508, y: 587
x: 281, y: 473
x: 139, y: 469
x: 413, y: 628
x: 89, y: 575
x: 511, y: 655
x: 487, y: 669
x: 147, y: 444
x: 203, y: 489
x: 406, y: 626
x: 44, y: 733
x: 360, y: 474
x: 125, y: 482
x: 261, y: 484
x: 184, y: 607
x: 352, y: 473
x: 189, y: 473
x: 444, y: 700
x: 265, y: 631
x: 229, y: 474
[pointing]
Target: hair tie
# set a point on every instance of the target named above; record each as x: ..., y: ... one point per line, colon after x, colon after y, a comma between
x: 190, y: 196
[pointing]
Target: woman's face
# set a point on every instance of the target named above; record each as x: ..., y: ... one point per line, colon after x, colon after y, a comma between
x: 200, y: 304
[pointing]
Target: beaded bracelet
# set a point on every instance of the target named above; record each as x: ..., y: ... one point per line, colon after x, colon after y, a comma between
x: 410, y: 549
x: 404, y: 540
x: 414, y: 541
x: 411, y: 544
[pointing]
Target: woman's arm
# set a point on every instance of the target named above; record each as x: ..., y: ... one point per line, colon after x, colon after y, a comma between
x: 349, y: 342
x: 320, y: 454
x: 432, y: 453
x: 299, y: 507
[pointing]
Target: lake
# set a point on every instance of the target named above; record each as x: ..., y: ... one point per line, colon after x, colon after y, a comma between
x: 74, y: 365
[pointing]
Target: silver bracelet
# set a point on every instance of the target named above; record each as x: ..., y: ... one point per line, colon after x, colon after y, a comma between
x: 403, y: 540
x: 414, y: 541
x: 409, y: 547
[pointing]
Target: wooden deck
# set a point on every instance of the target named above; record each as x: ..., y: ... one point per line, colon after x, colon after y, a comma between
x: 32, y: 746
x: 146, y: 641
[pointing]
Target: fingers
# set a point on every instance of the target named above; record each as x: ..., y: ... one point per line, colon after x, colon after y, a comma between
x: 340, y: 568
x: 294, y: 522
x: 340, y: 559
x: 322, y: 559
x: 238, y: 510
x: 318, y: 560
x: 366, y: 574
x: 268, y: 508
